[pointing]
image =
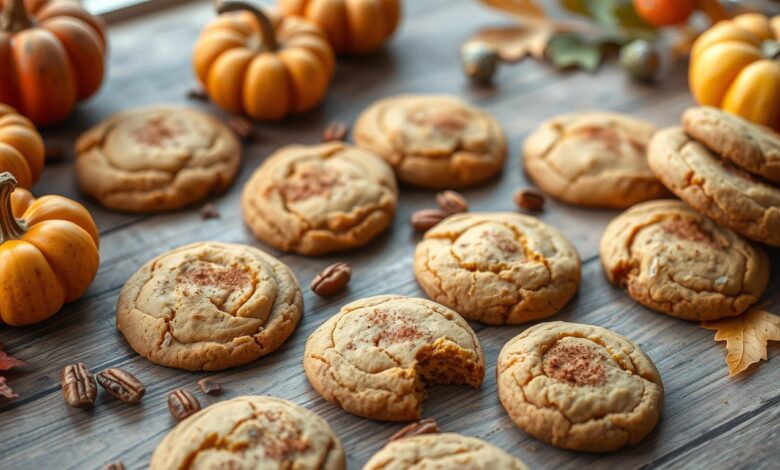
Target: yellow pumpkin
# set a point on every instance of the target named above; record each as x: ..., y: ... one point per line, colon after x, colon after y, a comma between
x: 48, y: 253
x: 735, y: 65
x: 21, y: 147
x: 353, y: 26
x: 266, y: 68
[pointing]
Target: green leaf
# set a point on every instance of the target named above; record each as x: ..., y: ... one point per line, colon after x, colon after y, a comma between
x: 616, y: 16
x: 567, y: 50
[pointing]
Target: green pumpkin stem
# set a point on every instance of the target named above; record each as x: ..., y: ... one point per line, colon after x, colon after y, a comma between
x: 10, y: 227
x: 266, y: 27
x: 14, y: 17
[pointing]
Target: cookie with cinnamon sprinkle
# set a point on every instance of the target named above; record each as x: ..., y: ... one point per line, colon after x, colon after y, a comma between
x: 376, y: 355
x: 579, y: 387
x: 209, y: 306
x: 251, y: 432
x: 319, y: 199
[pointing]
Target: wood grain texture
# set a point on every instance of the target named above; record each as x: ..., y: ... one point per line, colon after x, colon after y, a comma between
x: 709, y: 420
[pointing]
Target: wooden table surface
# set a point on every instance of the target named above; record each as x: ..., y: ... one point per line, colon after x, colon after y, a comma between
x: 709, y: 420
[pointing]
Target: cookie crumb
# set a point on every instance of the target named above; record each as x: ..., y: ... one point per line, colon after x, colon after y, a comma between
x: 210, y: 386
x: 209, y: 211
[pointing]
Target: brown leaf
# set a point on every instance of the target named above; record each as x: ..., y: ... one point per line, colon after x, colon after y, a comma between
x: 746, y: 337
x: 514, y: 43
x: 523, y: 8
x: 5, y: 390
x: 7, y: 362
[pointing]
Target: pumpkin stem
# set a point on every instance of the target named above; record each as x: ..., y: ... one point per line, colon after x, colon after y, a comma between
x: 10, y: 227
x: 15, y: 17
x: 266, y: 27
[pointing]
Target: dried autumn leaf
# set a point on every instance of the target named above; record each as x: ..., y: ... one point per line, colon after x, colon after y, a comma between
x: 514, y: 43
x: 523, y: 8
x: 746, y: 337
x: 5, y: 390
x: 7, y: 362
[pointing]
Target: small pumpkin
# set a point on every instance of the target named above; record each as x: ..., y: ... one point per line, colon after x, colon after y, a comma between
x: 261, y: 66
x: 21, y: 147
x: 48, y: 253
x: 353, y: 26
x: 735, y: 65
x: 51, y: 56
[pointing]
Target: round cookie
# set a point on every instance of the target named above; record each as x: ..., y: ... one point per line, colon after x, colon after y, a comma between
x: 674, y: 260
x: 595, y: 159
x: 721, y: 191
x: 251, y: 432
x: 498, y: 267
x: 156, y: 159
x: 433, y: 141
x: 318, y: 199
x: 579, y: 387
x: 373, y: 357
x: 750, y: 146
x: 209, y: 306
x: 447, y: 450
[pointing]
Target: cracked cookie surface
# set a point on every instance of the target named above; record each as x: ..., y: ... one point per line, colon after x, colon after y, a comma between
x: 750, y: 146
x: 441, y: 451
x: 498, y: 267
x: 209, y: 306
x: 318, y: 199
x: 251, y: 432
x: 579, y: 387
x: 718, y: 189
x: 674, y: 260
x: 433, y: 141
x: 594, y: 158
x: 156, y: 159
x: 373, y: 357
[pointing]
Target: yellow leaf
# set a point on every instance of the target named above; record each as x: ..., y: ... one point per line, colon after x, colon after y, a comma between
x: 514, y: 43
x: 524, y: 8
x: 746, y: 337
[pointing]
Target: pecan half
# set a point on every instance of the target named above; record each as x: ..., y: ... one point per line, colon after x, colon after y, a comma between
x: 425, y: 426
x: 78, y: 385
x: 122, y: 385
x: 242, y: 127
x: 336, y: 131
x: 182, y: 404
x: 210, y: 386
x: 424, y: 219
x: 529, y: 199
x: 452, y: 202
x: 332, y: 279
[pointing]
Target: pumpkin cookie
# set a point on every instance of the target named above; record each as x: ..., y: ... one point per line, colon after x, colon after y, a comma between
x: 497, y: 268
x: 675, y: 260
x: 593, y: 159
x: 156, y: 159
x: 251, y: 432
x: 319, y: 199
x: 433, y: 141
x: 446, y: 450
x: 579, y: 387
x: 753, y: 147
x: 714, y: 187
x: 373, y: 356
x: 209, y: 306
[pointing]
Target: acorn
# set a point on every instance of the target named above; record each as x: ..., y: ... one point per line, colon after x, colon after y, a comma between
x: 479, y: 62
x: 640, y: 59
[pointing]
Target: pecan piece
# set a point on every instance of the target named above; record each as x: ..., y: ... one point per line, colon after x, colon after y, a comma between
x: 122, y: 385
x: 332, y: 279
x: 209, y: 211
x: 452, y: 202
x: 335, y: 131
x: 242, y: 127
x: 182, y: 404
x: 78, y: 385
x: 425, y: 426
x: 424, y: 219
x: 210, y: 386
x: 115, y: 465
x: 529, y: 199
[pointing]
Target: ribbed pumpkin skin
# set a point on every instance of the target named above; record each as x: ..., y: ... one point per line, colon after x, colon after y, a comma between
x: 731, y: 68
x: 21, y: 147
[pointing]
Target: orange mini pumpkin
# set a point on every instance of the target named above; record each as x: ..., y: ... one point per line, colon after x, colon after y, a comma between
x: 353, y: 26
x: 51, y: 55
x: 735, y: 65
x: 48, y: 253
x: 21, y: 147
x: 266, y: 68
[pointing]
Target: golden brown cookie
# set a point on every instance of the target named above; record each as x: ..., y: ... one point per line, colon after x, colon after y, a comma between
x: 209, y: 306
x: 156, y: 159
x: 442, y: 451
x: 251, y: 432
x: 579, y: 387
x: 374, y: 356
x: 433, y: 141
x: 593, y: 159
x: 497, y: 267
x: 721, y: 191
x: 318, y: 199
x: 750, y: 146
x: 675, y: 260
